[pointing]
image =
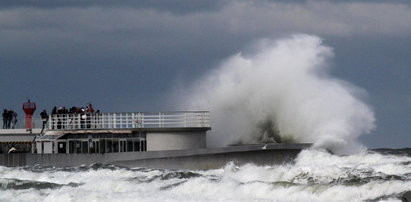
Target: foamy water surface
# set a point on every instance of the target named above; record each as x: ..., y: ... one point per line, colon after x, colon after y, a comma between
x: 314, y: 176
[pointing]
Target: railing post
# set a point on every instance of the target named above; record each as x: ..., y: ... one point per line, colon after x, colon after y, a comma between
x: 133, y: 117
x: 141, y: 119
x: 142, y: 116
x: 103, y: 120
x: 110, y: 120
x: 78, y: 120
x: 120, y: 121
x: 159, y: 120
x: 114, y: 121
x: 100, y: 120
x: 129, y: 120
x: 106, y: 120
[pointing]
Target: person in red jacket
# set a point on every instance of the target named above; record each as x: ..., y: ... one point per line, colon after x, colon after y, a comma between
x: 89, y: 108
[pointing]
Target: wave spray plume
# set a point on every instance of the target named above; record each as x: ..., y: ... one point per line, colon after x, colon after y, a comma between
x: 282, y: 92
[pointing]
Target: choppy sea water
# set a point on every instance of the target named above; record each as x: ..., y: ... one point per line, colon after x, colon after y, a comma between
x: 379, y: 175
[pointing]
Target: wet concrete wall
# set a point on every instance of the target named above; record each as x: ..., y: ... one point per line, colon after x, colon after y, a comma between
x: 209, y: 158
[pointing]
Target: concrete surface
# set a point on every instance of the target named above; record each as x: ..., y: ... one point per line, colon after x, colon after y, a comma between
x: 170, y: 140
x: 207, y: 158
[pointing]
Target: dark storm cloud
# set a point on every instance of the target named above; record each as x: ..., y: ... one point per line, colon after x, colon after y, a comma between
x: 149, y: 32
x: 177, y: 6
x: 127, y: 55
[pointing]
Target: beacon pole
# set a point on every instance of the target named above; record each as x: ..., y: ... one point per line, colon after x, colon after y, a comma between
x: 29, y: 108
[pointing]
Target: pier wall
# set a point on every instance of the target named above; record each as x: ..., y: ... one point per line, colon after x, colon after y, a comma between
x: 158, y: 141
x: 209, y: 158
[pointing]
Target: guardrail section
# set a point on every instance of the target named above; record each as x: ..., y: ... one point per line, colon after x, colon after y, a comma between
x: 20, y: 124
x: 186, y: 119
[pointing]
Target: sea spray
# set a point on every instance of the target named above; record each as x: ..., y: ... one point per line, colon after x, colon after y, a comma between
x: 282, y: 92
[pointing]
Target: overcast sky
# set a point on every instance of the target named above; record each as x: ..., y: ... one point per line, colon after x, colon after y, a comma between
x: 130, y: 56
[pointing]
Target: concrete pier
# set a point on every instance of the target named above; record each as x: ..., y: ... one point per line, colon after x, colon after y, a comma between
x: 172, y: 140
x: 21, y: 139
x: 207, y: 158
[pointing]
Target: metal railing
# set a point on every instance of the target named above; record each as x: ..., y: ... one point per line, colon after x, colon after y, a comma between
x: 129, y: 120
x: 20, y: 124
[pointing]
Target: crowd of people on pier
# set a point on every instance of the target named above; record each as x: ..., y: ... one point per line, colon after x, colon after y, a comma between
x: 62, y: 121
x: 9, y: 119
x: 73, y: 110
x: 10, y: 116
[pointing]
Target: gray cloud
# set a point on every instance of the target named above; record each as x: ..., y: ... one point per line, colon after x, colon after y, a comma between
x: 238, y: 18
x: 147, y: 32
x: 177, y: 6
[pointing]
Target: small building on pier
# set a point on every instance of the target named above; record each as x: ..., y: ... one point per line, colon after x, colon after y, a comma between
x: 124, y: 132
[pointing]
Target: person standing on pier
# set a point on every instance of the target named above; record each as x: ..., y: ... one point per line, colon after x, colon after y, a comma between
x: 44, y: 119
x: 9, y: 117
x: 90, y: 108
x: 13, y: 118
x: 5, y: 119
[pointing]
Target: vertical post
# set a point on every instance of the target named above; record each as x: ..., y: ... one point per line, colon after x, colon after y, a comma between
x: 114, y: 121
x: 142, y: 117
x: 50, y: 122
x: 104, y: 120
x: 78, y: 117
x: 133, y: 118
x: 159, y: 120
x: 120, y: 121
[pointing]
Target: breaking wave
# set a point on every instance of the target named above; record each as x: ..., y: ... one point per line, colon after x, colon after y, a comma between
x: 282, y: 92
x: 313, y: 176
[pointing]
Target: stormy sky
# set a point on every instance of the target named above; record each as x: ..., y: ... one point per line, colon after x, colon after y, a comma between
x: 131, y: 55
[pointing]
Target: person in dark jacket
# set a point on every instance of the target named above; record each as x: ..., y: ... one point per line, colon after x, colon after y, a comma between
x: 5, y: 119
x: 54, y: 111
x: 9, y: 117
x: 13, y: 118
x: 44, y: 119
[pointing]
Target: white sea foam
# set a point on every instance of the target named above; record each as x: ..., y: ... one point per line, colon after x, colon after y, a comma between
x: 315, y: 176
x: 282, y: 91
